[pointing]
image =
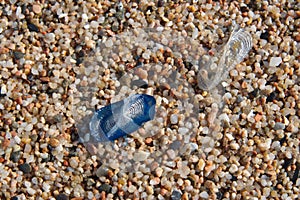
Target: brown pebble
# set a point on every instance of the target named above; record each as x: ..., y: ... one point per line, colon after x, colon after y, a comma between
x: 18, y: 73
x: 36, y: 8
x: 208, y: 167
x: 45, y: 79
x: 148, y: 140
x: 258, y: 117
x: 3, y: 50
x: 43, y: 73
x: 8, y: 121
x: 163, y: 191
x: 5, y: 143
x: 54, y: 142
x: 149, y: 189
x: 297, y: 38
x: 66, y: 163
x: 19, y: 100
x: 13, y: 133
x: 142, y: 73
x: 244, y: 85
x: 185, y: 196
x: 27, y: 66
x: 110, y: 173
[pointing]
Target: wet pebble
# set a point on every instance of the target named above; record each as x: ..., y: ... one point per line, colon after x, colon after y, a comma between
x: 62, y: 197
x: 32, y: 27
x: 25, y: 168
x: 105, y: 187
x: 18, y: 55
x: 15, y: 156
x: 176, y: 195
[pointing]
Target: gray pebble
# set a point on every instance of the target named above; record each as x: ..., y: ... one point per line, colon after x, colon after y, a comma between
x: 102, y: 171
x: 176, y: 195
x: 25, y: 168
x: 62, y: 197
x: 18, y: 55
x: 105, y: 187
x: 15, y: 156
x: 175, y: 145
x: 279, y: 126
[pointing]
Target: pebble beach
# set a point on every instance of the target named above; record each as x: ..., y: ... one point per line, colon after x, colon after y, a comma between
x: 61, y: 60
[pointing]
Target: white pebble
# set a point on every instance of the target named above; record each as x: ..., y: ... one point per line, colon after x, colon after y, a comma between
x: 131, y: 189
x: 19, y: 13
x: 204, y: 195
x: 27, y: 184
x: 146, y: 55
x: 275, y: 61
x: 183, y: 130
x: 46, y: 187
x: 3, y: 89
x: 17, y: 139
x: 141, y: 156
x: 73, y: 162
x: 50, y: 37
x: 109, y: 43
x: 174, y: 119
x: 31, y: 191
x: 233, y: 168
x: 229, y: 136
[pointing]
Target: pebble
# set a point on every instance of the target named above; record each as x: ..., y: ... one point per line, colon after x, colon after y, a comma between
x: 102, y: 171
x: 131, y: 188
x: 15, y: 156
x: 174, y: 119
x: 204, y: 195
x: 74, y: 161
x: 18, y: 55
x: 140, y: 156
x: 149, y: 190
x: 105, y: 187
x: 176, y: 195
x: 279, y: 126
x: 62, y: 197
x: 245, y: 131
x: 32, y: 27
x: 159, y: 171
x: 54, y: 142
x: 37, y: 8
x: 25, y: 168
x: 275, y: 61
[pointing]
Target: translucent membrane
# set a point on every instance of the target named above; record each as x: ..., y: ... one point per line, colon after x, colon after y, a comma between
x: 213, y: 69
x: 113, y: 76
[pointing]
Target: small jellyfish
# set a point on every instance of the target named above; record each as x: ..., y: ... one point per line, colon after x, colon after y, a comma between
x: 121, y: 118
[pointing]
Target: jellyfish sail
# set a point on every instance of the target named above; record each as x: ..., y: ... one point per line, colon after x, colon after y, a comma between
x: 214, y: 69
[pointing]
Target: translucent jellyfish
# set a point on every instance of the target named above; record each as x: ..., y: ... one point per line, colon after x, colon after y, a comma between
x: 120, y: 118
x: 144, y: 63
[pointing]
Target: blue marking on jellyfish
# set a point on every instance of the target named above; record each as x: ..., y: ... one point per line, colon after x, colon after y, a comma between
x: 121, y: 118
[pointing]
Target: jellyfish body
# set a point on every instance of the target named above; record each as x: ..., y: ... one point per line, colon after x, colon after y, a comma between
x: 121, y: 118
